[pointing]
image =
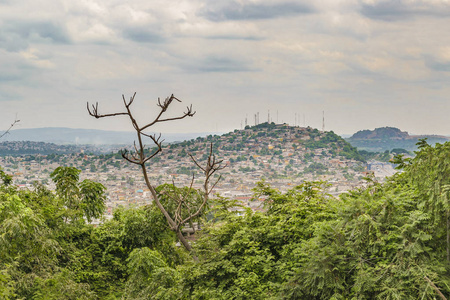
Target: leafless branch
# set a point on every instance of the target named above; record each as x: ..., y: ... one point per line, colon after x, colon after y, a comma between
x: 10, y: 127
x: 215, y: 183
x: 164, y: 106
x: 192, y: 181
x: 196, y: 163
x: 139, y: 157
x: 130, y: 157
x: 184, y: 198
x: 95, y: 114
x: 211, y: 167
x: 135, y: 148
x: 190, y: 203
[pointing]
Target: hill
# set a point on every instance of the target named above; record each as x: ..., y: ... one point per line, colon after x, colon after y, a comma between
x: 381, y: 133
x: 276, y: 152
x: 388, y: 138
x: 265, y: 139
x: 16, y: 148
x: 31, y: 148
x: 281, y: 154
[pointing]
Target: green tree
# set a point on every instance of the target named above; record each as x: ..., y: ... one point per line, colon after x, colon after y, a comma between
x: 83, y: 199
x: 247, y: 255
x: 385, y: 242
x: 151, y: 277
x: 46, y: 253
x: 6, y: 179
x: 429, y: 173
x: 32, y: 238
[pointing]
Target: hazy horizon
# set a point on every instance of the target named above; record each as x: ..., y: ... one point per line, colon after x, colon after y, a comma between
x: 204, y: 132
x: 366, y: 64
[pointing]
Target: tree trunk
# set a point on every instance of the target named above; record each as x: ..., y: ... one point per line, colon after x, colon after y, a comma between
x: 435, y: 288
x: 186, y: 244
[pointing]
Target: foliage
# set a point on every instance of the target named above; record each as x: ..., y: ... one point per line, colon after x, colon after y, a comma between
x: 6, y: 289
x: 5, y: 178
x: 316, y: 168
x: 170, y: 197
x: 351, y: 152
x: 247, y: 257
x: 397, y: 151
x: 151, y: 277
x: 49, y: 252
x: 83, y: 199
x: 384, y: 240
x: 377, y: 242
x: 429, y: 173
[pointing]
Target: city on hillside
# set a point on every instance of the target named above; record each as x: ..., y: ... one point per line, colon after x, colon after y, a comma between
x: 284, y: 156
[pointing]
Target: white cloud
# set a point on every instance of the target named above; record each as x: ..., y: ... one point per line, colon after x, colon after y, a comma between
x: 229, y: 58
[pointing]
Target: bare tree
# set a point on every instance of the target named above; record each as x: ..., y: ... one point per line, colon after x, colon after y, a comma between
x: 10, y: 127
x: 184, y: 212
x: 212, y: 166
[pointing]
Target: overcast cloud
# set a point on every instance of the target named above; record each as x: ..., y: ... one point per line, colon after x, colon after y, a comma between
x: 367, y: 64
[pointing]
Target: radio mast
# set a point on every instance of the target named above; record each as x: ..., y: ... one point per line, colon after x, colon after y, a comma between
x: 323, y: 121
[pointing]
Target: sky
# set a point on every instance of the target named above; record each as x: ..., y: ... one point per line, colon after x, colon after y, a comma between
x: 360, y: 64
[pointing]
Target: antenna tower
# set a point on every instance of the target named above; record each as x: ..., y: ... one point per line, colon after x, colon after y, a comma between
x: 323, y: 121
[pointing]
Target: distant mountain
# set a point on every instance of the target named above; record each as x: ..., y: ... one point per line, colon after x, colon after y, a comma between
x: 388, y: 138
x: 64, y: 136
x: 381, y: 133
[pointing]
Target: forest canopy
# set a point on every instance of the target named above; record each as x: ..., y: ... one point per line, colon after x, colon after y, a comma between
x: 383, y: 241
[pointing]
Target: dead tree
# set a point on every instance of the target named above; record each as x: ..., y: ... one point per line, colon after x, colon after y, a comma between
x: 10, y: 127
x: 182, y: 200
x: 138, y: 157
x: 212, y: 166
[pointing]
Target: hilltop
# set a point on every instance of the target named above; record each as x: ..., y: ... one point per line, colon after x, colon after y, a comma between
x: 388, y: 138
x: 270, y: 139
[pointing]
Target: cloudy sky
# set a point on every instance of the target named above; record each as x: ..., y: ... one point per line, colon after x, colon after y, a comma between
x: 367, y: 64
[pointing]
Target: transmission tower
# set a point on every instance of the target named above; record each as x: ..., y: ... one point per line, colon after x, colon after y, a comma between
x: 323, y: 121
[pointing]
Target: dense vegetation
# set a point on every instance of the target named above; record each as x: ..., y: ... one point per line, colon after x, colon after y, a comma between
x: 385, y: 241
